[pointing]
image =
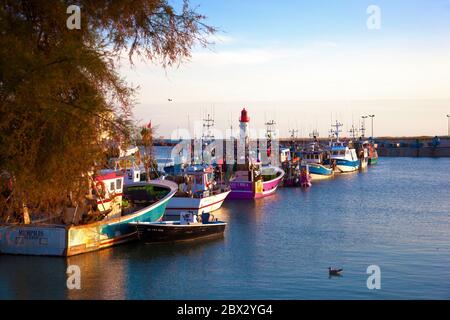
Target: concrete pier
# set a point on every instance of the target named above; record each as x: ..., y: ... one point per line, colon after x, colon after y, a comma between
x: 386, y: 146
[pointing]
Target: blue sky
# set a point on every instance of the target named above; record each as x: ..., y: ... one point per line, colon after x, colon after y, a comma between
x: 297, y: 22
x: 300, y: 62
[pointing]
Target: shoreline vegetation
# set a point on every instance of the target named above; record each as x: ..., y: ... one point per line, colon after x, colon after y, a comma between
x: 63, y: 103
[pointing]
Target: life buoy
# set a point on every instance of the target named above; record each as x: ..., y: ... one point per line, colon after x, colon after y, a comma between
x: 100, y: 188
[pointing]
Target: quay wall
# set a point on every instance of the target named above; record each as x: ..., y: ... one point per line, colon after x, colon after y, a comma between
x: 387, y: 146
x: 414, y: 147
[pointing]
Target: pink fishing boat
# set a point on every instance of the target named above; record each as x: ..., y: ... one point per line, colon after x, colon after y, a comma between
x: 252, y: 180
x: 258, y: 182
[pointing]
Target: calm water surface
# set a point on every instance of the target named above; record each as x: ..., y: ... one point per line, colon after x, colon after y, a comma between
x: 396, y: 215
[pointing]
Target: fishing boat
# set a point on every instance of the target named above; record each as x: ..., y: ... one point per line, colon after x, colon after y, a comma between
x: 252, y: 179
x: 187, y: 228
x: 256, y: 182
x: 292, y: 173
x: 373, y: 154
x: 199, y: 191
x: 314, y: 157
x: 362, y: 151
x: 368, y: 146
x: 114, y: 206
x: 305, y: 178
x: 343, y: 158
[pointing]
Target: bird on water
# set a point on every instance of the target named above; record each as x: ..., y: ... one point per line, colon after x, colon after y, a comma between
x: 335, y: 272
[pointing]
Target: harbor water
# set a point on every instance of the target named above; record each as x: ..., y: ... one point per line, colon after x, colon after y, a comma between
x: 395, y: 215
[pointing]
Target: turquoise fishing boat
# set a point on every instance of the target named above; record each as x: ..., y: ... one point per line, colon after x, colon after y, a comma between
x: 116, y: 207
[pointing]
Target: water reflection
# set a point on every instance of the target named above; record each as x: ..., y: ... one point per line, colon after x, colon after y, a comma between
x: 26, y: 277
x: 392, y: 215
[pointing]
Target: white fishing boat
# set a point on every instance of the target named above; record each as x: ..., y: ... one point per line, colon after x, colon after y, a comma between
x: 342, y: 158
x: 198, y: 192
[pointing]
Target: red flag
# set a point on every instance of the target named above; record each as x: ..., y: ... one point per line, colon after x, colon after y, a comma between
x: 149, y: 125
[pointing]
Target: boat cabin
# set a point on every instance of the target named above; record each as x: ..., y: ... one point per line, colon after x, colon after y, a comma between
x: 131, y: 175
x: 199, y: 179
x: 108, y: 191
x: 312, y: 157
x: 187, y: 218
x: 341, y: 151
x: 285, y: 155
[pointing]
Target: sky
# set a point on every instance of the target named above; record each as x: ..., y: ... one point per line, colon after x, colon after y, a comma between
x: 305, y: 64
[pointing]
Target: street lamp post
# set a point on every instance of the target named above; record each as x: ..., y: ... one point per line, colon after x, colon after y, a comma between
x: 363, y: 126
x: 372, y: 116
x: 448, y: 125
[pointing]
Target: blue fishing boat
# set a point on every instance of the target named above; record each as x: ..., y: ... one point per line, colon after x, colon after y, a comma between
x: 343, y: 158
x: 313, y: 157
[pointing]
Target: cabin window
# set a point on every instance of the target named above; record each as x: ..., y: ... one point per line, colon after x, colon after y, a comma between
x: 199, y: 179
x: 118, y: 184
x: 111, y: 186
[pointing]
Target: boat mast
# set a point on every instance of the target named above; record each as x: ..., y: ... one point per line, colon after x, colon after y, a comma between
x: 270, y: 130
x: 208, y: 123
x: 207, y: 135
x: 337, y: 129
x: 353, y: 131
x: 314, y: 134
x: 294, y: 135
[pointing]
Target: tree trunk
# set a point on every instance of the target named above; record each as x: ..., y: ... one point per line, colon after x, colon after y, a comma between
x: 26, y: 215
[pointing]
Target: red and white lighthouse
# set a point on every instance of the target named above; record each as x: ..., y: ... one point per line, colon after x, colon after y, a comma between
x: 244, y: 121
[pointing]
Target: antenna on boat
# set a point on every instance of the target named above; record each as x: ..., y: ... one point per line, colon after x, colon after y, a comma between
x: 314, y: 133
x: 208, y: 123
x: 270, y: 128
x: 294, y: 134
x: 353, y: 132
x: 337, y: 129
x: 231, y: 125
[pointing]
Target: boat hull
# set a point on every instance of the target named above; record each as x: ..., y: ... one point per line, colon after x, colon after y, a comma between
x: 177, y: 205
x: 345, y: 166
x: 245, y: 190
x: 151, y: 233
x: 373, y: 161
x: 319, y: 172
x: 58, y: 240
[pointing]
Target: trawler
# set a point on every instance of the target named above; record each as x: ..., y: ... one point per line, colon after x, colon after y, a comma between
x: 313, y: 157
x: 200, y: 190
x: 343, y: 158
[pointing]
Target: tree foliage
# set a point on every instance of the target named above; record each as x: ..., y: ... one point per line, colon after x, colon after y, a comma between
x: 61, y: 95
